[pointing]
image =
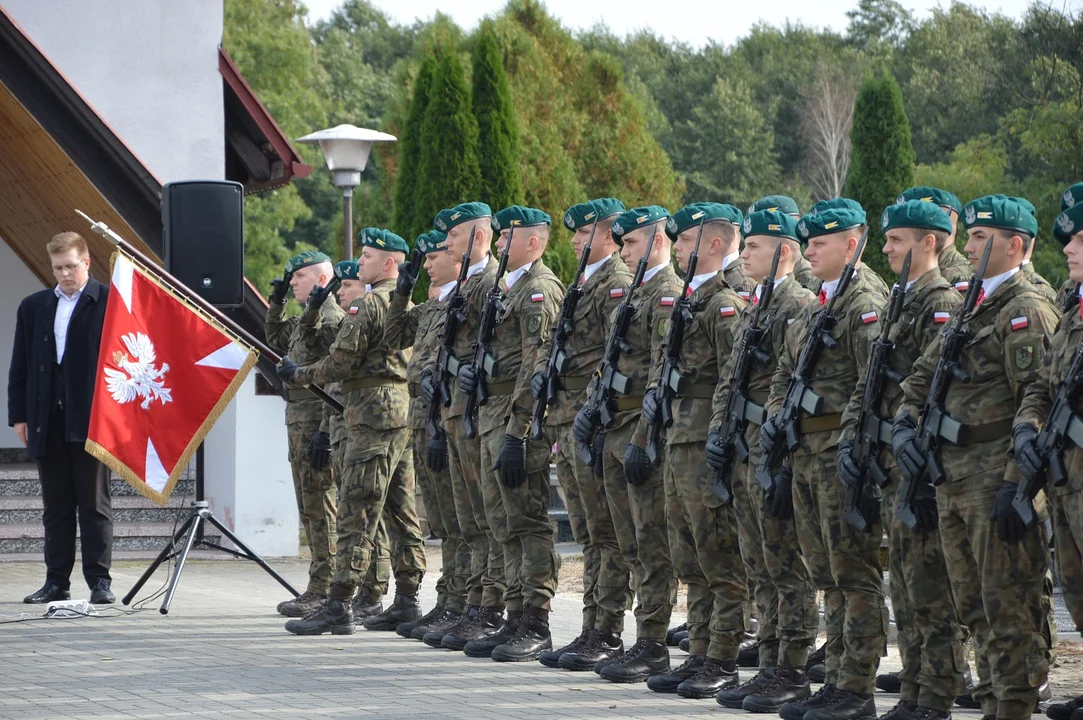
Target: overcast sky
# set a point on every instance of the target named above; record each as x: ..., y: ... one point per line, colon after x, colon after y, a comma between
x: 691, y: 21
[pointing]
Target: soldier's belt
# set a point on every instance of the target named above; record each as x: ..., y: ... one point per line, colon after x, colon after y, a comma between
x: 573, y: 384
x: 957, y: 433
x: 821, y: 423
x: 363, y: 383
x: 295, y: 394
x: 501, y: 388
x: 698, y: 391
x: 629, y: 402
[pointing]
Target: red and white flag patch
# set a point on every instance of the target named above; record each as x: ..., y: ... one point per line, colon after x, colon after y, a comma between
x: 727, y: 311
x: 869, y: 317
x: 537, y: 297
x: 616, y: 293
x: 353, y: 310
x: 745, y: 295
x: 790, y: 322
x: 667, y: 301
x: 1020, y: 323
x: 941, y: 317
x: 962, y: 286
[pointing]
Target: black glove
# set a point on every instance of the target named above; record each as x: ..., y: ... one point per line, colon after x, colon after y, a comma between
x: 538, y: 383
x: 781, y: 498
x: 925, y: 507
x: 436, y: 452
x: 904, y: 434
x: 319, y: 448
x: 650, y: 406
x: 770, y: 435
x: 512, y: 462
x: 1010, y: 527
x: 849, y: 472
x: 468, y: 379
x: 427, y: 385
x: 638, y: 467
x: 598, y: 454
x: 405, y: 284
x: 318, y: 296
x: 286, y: 370
x: 869, y: 503
x: 280, y: 287
x: 716, y: 453
x: 583, y: 426
x: 1026, y: 450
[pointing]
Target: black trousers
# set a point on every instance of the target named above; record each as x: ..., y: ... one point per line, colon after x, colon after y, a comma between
x: 73, y: 482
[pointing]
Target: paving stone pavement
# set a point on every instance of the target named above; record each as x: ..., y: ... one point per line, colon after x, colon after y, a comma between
x: 222, y: 653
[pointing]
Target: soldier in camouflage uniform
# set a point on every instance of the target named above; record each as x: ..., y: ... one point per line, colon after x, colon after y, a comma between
x: 997, y: 570
x: 624, y: 459
x: 1066, y: 500
x: 928, y: 631
x: 844, y: 562
x: 702, y: 529
x: 954, y: 267
x: 783, y: 589
x: 420, y: 327
x: 1068, y: 294
x: 314, y: 488
x: 372, y: 380
x: 515, y: 469
x: 608, y: 580
x: 802, y: 271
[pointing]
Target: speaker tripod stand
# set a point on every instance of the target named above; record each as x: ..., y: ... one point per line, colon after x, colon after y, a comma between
x: 192, y: 533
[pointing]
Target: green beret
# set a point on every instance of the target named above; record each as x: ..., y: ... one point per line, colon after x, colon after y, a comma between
x: 776, y: 203
x: 839, y: 203
x: 586, y: 213
x: 943, y: 198
x: 346, y: 270
x: 380, y: 239
x: 1000, y: 211
x: 308, y: 257
x: 1068, y: 223
x: 692, y: 215
x: 917, y: 213
x: 1072, y: 197
x: 432, y: 241
x: 519, y: 216
x: 769, y: 222
x: 636, y: 218
x: 828, y: 220
x: 447, y: 219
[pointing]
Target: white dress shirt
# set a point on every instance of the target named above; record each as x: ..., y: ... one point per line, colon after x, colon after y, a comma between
x: 594, y: 267
x: 65, y: 306
x: 990, y: 285
x: 515, y: 275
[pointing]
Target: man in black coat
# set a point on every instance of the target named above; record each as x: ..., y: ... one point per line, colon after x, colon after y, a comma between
x: 50, y: 388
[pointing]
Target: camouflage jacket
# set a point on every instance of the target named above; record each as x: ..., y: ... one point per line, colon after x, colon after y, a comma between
x: 418, y: 327
x: 1068, y: 296
x: 1044, y: 288
x: 1008, y: 336
x: 305, y: 345
x: 708, y: 343
x: 872, y: 279
x: 837, y: 371
x: 1039, y: 397
x: 787, y: 301
x: 372, y: 375
x: 331, y: 422
x: 531, y: 307
x: 926, y: 308
x: 586, y: 343
x: 955, y: 268
x: 737, y: 280
x: 802, y: 273
x: 473, y: 290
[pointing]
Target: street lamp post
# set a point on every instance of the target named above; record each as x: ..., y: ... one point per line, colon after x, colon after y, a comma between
x: 346, y: 151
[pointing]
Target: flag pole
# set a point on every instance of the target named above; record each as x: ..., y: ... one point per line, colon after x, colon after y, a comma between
x: 261, y: 347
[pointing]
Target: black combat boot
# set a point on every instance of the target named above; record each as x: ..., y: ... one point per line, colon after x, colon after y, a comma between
x: 365, y: 607
x: 603, y: 649
x: 334, y: 616
x: 483, y: 647
x: 685, y: 644
x: 435, y: 636
x: 404, y: 629
x: 672, y: 634
x: 405, y: 608
x: 304, y: 604
x: 1065, y: 710
x: 531, y: 638
x: 488, y: 622
x: 748, y: 655
x: 788, y: 688
x: 715, y: 675
x: 646, y: 658
x: 551, y: 658
x: 816, y: 665
x: 845, y: 705
x: 667, y: 682
x: 924, y: 713
x: 735, y: 696
x: 903, y: 710
x: 889, y: 682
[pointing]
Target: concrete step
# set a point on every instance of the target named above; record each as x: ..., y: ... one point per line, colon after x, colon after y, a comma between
x: 21, y: 479
x: 21, y: 509
x: 30, y: 537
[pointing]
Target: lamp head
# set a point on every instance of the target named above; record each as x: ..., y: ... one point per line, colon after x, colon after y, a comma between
x: 346, y: 150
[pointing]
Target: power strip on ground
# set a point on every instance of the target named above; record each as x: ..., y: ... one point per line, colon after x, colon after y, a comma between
x: 69, y: 608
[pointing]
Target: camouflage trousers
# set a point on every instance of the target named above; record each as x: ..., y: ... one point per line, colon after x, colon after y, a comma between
x: 440, y: 509
x: 519, y: 521
x: 374, y: 586
x: 1067, y: 511
x: 781, y: 584
x: 705, y: 553
x: 464, y: 464
x: 403, y: 527
x: 929, y: 638
x: 606, y: 578
x: 999, y: 592
x: 315, y: 492
x: 845, y: 564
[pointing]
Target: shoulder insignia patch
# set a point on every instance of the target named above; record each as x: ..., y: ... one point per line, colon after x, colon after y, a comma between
x: 941, y: 317
x: 354, y: 309
x: 790, y: 322
x: 666, y: 301
x: 537, y: 297
x: 727, y: 311
x: 533, y: 324
x: 662, y: 327
x: 1024, y: 357
x: 962, y: 286
x: 869, y: 317
x: 1020, y: 323
x: 616, y: 293
x: 745, y: 294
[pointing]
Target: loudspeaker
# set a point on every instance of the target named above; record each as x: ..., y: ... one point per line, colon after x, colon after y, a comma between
x: 203, y: 226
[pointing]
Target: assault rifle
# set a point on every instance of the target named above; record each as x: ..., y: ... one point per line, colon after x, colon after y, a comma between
x: 483, y: 362
x: 557, y: 362
x: 935, y: 421
x: 799, y: 395
x: 671, y: 382
x: 873, y: 432
x: 601, y: 405
x: 447, y: 365
x: 739, y: 408
x: 1060, y: 426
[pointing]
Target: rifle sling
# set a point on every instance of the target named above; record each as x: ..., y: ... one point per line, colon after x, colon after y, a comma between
x: 370, y: 382
x: 821, y: 423
x: 629, y: 402
x: 500, y: 388
x: 698, y: 391
x: 959, y: 434
x: 299, y: 393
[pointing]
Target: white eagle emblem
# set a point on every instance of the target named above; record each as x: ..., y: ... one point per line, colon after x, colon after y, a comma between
x: 802, y: 229
x: 1065, y: 223
x: 747, y: 225
x: 1069, y: 198
x: 137, y: 377
x: 970, y: 214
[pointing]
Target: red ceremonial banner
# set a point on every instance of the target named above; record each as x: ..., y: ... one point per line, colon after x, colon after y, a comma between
x: 166, y: 371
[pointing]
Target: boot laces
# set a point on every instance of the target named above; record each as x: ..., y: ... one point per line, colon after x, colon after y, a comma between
x: 632, y: 654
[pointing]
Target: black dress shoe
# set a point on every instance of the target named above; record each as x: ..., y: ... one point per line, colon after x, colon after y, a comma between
x: 667, y: 682
x: 710, y: 679
x: 100, y: 594
x: 48, y: 593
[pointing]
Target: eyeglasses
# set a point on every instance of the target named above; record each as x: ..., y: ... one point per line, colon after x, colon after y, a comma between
x: 67, y: 269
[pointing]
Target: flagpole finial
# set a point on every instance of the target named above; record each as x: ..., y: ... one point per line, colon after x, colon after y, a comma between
x: 100, y: 228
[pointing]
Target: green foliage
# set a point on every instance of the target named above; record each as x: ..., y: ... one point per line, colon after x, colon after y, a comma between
x: 498, y: 128
x: 406, y: 218
x: 882, y: 164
